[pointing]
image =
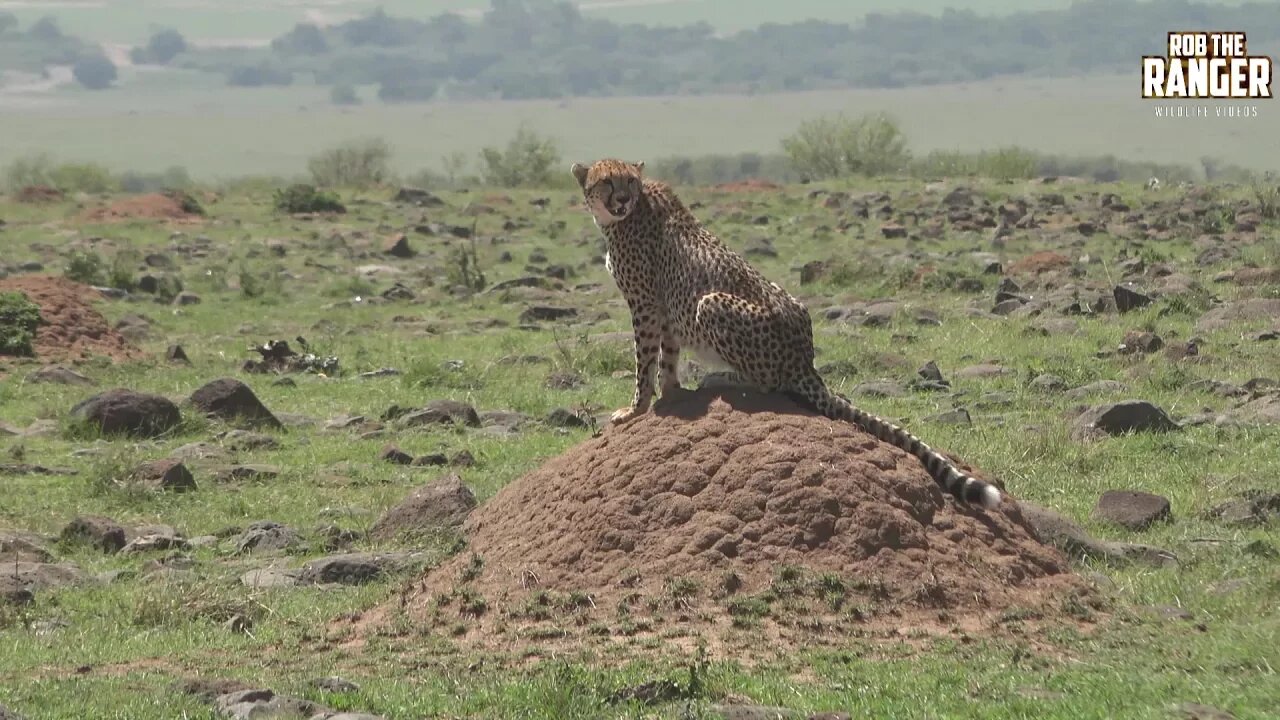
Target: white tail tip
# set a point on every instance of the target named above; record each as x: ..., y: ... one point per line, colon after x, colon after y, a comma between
x: 990, y: 497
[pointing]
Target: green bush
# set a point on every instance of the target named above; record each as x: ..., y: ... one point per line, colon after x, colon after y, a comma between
x: 19, y: 319
x: 83, y: 177
x: 357, y: 164
x: 94, y: 72
x: 528, y: 160
x: 840, y: 146
x: 87, y: 267
x: 303, y: 198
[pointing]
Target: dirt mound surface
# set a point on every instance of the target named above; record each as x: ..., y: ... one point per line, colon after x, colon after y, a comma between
x: 152, y: 206
x: 741, y: 515
x: 71, y: 329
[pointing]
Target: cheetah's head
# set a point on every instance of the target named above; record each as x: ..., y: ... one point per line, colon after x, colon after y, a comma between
x: 611, y: 188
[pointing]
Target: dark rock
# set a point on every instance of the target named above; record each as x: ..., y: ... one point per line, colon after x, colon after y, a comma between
x: 563, y: 418
x: 398, y: 246
x: 96, y: 531
x: 175, y: 354
x: 1240, y: 311
x: 394, y: 455
x: 985, y: 370
x: 418, y: 197
x: 1132, y: 509
x: 443, y: 411
x: 959, y: 416
x: 267, y: 536
x: 349, y: 568
x: 430, y: 460
x: 439, y: 504
x: 893, y: 231
x: 17, y: 548
x: 1048, y: 383
x: 1136, y: 341
x: 37, y: 576
x: 1127, y: 299
x: 546, y: 313
x: 164, y: 474
x: 1122, y: 417
x: 59, y: 375
x: 232, y: 400
x: 1056, y: 530
x: 122, y: 411
x: 879, y: 388
x: 1253, y: 508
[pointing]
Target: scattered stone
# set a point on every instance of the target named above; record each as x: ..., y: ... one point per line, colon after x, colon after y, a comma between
x: 959, y: 416
x: 259, y: 704
x: 1048, y: 383
x: 59, y: 375
x: 155, y: 541
x: 398, y: 246
x: 984, y: 370
x: 394, y: 455
x: 248, y: 471
x: 165, y: 474
x: 879, y: 388
x: 244, y: 440
x: 1122, y: 417
x: 1254, y: 508
x: 440, y: 504
x: 1056, y: 530
x: 443, y: 411
x: 1240, y: 311
x: 349, y: 568
x: 95, y: 531
x: 1136, y: 341
x: 430, y: 460
x: 1132, y: 509
x: 562, y: 418
x: 266, y: 578
x: 175, y: 354
x: 37, y: 576
x: 125, y: 412
x: 1127, y: 299
x: 17, y: 548
x: 335, y: 685
x: 231, y: 400
x: 267, y: 536
x: 546, y: 313
x: 1098, y: 387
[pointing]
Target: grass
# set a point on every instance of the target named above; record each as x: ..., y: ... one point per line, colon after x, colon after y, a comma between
x: 117, y: 648
x: 275, y: 131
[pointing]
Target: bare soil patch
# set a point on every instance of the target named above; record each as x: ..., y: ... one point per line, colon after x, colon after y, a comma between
x: 151, y: 206
x: 739, y: 516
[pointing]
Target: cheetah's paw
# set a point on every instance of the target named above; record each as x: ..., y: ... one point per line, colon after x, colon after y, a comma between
x: 622, y: 415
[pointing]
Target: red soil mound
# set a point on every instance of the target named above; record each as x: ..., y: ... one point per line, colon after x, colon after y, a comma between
x: 39, y: 194
x: 738, y: 514
x: 72, y: 328
x: 153, y: 206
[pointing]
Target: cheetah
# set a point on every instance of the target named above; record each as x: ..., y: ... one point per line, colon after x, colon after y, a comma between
x: 687, y: 291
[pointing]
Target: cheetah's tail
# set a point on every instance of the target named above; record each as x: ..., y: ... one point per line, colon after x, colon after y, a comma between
x: 963, y: 486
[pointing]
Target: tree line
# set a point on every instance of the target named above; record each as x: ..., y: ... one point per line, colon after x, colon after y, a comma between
x: 523, y: 49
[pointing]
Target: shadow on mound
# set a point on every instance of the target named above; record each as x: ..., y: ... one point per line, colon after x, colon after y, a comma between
x: 737, y: 514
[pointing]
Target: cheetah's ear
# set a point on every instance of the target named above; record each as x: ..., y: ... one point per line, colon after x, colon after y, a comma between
x: 580, y: 172
x: 640, y: 167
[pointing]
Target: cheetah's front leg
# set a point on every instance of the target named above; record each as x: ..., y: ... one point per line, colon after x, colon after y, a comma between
x: 647, y: 325
x: 669, y: 363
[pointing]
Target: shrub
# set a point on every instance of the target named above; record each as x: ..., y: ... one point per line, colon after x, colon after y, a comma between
x: 19, y: 319
x: 29, y: 171
x: 360, y: 163
x: 528, y: 160
x: 303, y: 198
x: 94, y: 72
x: 260, y: 75
x: 161, y: 48
x: 839, y: 146
x: 83, y: 177
x: 87, y: 267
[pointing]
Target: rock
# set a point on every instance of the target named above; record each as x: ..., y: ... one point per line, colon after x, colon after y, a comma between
x: 243, y: 440
x: 263, y: 704
x: 430, y: 460
x: 230, y: 399
x: 1132, y: 509
x: 125, y: 412
x: 546, y: 313
x: 1253, y: 508
x: 175, y: 354
x: 1196, y: 711
x: 265, y: 578
x: 985, y: 370
x: 96, y: 531
x: 1240, y: 311
x: 443, y: 411
x: 893, y: 231
x: 959, y: 416
x: 1127, y: 299
x: 37, y: 576
x: 930, y: 372
x: 398, y: 246
x: 154, y: 541
x: 1136, y: 341
x: 255, y: 471
x: 418, y: 197
x: 165, y: 474
x: 1056, y: 530
x: 349, y: 568
x: 59, y: 375
x: 879, y: 388
x: 13, y: 592
x: 186, y: 298
x: 1122, y: 417
x: 440, y: 504
x: 562, y: 418
x: 17, y: 548
x: 267, y: 536
x: 395, y: 455
x: 1097, y: 388
x: 1048, y: 383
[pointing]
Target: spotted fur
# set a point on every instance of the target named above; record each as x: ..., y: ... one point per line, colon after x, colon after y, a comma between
x: 687, y: 291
